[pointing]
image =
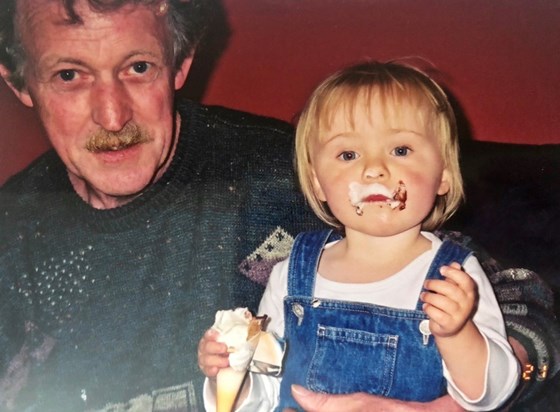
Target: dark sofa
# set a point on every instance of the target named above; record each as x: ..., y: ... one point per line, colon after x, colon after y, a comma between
x: 512, y: 210
x: 513, y: 204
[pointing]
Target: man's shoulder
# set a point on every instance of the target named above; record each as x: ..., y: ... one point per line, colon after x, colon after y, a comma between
x: 26, y: 193
x: 232, y: 121
x: 37, y: 176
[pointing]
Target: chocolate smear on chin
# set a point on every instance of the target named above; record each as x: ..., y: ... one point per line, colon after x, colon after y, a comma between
x: 400, y: 195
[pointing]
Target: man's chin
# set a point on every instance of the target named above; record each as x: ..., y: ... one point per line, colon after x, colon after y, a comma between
x: 107, y: 190
x: 124, y: 189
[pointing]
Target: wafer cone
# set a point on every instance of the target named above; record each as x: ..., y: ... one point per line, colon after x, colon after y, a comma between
x: 229, y: 380
x: 229, y: 383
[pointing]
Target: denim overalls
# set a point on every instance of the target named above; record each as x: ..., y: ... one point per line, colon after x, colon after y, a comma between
x: 345, y: 347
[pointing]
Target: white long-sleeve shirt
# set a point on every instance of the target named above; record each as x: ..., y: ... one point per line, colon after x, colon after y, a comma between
x: 400, y: 290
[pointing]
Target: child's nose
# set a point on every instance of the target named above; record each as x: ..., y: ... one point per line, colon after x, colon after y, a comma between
x: 375, y: 170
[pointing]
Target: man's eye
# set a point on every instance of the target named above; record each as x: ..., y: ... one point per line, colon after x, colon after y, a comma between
x: 401, y: 151
x: 347, y: 156
x: 67, y: 75
x: 140, y: 67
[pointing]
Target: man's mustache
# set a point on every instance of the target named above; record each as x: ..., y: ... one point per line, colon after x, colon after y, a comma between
x: 107, y: 141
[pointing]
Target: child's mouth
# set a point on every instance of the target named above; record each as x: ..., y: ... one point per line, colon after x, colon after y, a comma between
x: 361, y: 195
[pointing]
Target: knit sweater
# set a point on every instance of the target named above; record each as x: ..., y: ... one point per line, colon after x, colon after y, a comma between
x: 105, y: 308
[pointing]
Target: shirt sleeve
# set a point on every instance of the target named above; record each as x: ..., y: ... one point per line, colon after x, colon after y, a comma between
x: 502, y: 368
x: 272, y: 302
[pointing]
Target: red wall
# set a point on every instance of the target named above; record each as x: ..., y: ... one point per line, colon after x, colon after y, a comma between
x: 500, y: 59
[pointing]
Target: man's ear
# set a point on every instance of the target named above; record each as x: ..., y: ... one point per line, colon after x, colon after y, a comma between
x: 445, y: 183
x: 183, y: 72
x: 317, y: 187
x: 23, y: 95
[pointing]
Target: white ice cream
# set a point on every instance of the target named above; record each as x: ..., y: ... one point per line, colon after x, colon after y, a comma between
x: 233, y: 326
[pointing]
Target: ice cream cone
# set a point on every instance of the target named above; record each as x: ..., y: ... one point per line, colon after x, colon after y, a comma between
x: 241, y: 331
x: 229, y: 380
x: 229, y: 383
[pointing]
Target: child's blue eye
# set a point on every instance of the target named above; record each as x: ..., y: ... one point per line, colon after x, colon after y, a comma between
x: 347, y: 156
x: 401, y: 151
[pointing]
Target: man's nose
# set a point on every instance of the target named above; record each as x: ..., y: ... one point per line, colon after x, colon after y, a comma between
x: 111, y: 105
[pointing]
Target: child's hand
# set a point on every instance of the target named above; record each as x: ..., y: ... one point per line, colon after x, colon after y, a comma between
x: 449, y: 303
x: 212, y: 355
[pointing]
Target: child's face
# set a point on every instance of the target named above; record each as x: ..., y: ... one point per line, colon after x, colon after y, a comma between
x: 381, y: 174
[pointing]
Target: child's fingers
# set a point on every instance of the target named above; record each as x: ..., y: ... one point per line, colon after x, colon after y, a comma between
x: 441, y: 323
x: 443, y: 288
x: 445, y: 318
x: 209, y: 345
x: 449, y: 302
x: 211, y: 334
x: 439, y: 300
x: 457, y: 285
x: 212, y: 355
x: 438, y: 318
x: 455, y: 274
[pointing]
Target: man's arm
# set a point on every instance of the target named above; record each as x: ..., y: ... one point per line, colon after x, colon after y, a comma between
x: 312, y: 401
x: 361, y: 402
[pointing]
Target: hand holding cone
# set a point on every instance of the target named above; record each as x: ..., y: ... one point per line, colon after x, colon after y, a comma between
x: 241, y: 331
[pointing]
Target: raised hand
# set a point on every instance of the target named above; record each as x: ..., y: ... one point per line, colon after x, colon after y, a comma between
x: 451, y: 302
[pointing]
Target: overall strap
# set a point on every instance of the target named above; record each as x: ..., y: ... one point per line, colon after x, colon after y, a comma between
x: 448, y: 253
x: 304, y: 261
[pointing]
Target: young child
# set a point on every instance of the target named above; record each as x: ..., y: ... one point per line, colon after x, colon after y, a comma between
x: 385, y: 307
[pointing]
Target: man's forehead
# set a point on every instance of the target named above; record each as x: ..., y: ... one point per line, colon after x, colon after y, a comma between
x: 99, y: 41
x: 73, y: 12
x: 29, y: 9
x: 52, y: 19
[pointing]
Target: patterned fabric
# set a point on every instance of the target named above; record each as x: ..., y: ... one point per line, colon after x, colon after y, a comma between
x: 274, y: 249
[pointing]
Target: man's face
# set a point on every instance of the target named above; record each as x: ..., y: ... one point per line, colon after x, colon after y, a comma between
x: 89, y: 81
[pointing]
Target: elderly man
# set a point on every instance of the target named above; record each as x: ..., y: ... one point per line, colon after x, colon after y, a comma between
x: 117, y: 247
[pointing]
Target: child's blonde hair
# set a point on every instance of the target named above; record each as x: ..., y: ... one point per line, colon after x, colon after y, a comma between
x: 392, y: 83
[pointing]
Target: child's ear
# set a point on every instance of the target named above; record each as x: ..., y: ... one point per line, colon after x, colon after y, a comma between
x: 445, y: 183
x: 22, y: 94
x: 317, y: 187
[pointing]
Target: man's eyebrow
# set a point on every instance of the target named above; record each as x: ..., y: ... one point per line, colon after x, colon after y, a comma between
x: 56, y: 63
x: 53, y: 61
x: 135, y: 53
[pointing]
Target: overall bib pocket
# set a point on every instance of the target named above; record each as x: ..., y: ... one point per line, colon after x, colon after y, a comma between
x: 350, y: 360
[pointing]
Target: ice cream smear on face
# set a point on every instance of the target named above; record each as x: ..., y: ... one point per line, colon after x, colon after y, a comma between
x: 360, y: 195
x: 240, y: 331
